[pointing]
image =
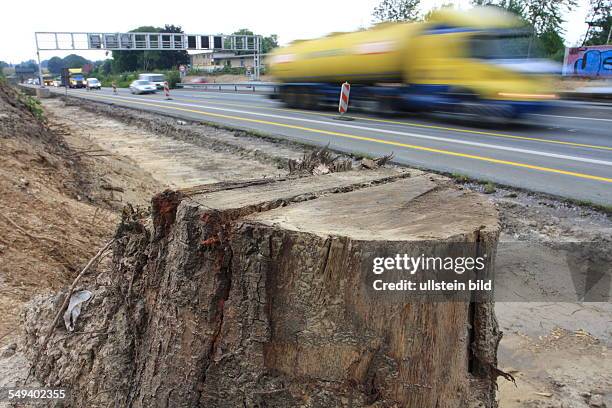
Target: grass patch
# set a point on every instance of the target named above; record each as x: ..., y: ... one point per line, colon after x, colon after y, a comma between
x: 489, y: 188
x: 461, y: 178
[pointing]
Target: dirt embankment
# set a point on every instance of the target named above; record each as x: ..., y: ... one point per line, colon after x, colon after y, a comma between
x: 52, y: 217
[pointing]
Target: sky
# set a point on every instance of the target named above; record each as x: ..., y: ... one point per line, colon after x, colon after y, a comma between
x: 290, y: 19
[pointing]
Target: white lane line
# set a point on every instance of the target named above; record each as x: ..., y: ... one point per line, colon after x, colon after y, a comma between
x: 222, y: 96
x: 572, y: 117
x: 387, y: 131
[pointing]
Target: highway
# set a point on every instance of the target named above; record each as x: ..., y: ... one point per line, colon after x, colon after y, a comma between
x: 566, y: 153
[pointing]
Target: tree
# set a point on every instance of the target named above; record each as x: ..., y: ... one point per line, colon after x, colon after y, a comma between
x: 31, y: 64
x: 269, y: 43
x: 75, y: 61
x: 55, y: 65
x: 3, y: 64
x: 513, y: 6
x: 397, y: 10
x: 600, y: 23
x: 545, y: 17
x: 124, y: 61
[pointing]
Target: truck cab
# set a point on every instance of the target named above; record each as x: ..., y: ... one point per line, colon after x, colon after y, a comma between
x: 76, y: 78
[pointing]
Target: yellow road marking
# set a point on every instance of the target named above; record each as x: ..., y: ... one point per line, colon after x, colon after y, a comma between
x: 381, y: 141
x: 420, y: 125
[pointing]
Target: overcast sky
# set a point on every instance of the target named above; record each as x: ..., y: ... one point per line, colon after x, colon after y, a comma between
x: 290, y: 19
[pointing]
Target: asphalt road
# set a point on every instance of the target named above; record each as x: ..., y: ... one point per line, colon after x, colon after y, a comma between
x: 566, y: 153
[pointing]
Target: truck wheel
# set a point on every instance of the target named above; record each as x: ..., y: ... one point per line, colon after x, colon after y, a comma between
x: 292, y: 99
x: 311, y: 101
x: 386, y: 107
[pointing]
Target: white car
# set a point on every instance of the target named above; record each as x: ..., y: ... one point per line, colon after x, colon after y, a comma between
x: 140, y: 86
x: 57, y: 83
x: 156, y: 79
x: 93, y: 83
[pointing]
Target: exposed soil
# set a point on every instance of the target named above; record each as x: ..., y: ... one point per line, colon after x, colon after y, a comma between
x: 62, y: 185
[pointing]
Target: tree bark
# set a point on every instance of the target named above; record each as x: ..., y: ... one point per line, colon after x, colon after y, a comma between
x: 256, y: 294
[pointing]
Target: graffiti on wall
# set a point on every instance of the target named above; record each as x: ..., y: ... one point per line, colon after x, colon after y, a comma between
x: 593, y: 61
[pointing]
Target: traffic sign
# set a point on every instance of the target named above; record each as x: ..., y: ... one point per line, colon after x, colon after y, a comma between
x: 344, y: 98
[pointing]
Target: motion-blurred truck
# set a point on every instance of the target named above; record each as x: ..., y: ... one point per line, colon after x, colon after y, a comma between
x: 478, y: 62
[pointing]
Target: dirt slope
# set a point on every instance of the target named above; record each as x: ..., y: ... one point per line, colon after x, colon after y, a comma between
x: 53, y: 216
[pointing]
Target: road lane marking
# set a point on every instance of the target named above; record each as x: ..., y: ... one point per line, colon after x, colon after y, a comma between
x: 397, y: 133
x: 420, y: 125
x: 573, y: 117
x: 371, y: 139
x: 396, y: 122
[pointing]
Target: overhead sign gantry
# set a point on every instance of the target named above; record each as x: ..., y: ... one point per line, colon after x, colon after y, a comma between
x: 73, y: 41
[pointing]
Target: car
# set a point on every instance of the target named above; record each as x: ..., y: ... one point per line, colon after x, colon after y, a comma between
x: 141, y: 86
x: 57, y: 82
x: 156, y: 79
x: 199, y: 80
x: 93, y: 83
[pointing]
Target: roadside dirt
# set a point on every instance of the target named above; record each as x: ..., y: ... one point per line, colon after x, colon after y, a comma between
x: 68, y: 180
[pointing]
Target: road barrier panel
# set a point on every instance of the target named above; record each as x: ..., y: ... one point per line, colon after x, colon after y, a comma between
x: 167, y: 90
x: 343, y: 103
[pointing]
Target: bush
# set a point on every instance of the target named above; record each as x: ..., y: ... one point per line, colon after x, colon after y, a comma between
x: 173, y: 78
x: 124, y: 79
x: 34, y: 106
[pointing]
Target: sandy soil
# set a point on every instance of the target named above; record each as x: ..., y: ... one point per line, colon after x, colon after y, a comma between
x: 558, y: 351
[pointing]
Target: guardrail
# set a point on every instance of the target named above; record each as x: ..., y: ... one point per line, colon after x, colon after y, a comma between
x: 263, y: 87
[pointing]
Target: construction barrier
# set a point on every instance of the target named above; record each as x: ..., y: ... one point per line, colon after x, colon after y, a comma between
x: 344, y: 98
x: 167, y: 90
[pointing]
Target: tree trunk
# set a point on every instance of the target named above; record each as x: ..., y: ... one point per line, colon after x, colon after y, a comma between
x: 256, y: 294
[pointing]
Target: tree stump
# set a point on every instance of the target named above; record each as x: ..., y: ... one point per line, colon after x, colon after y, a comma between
x: 255, y: 294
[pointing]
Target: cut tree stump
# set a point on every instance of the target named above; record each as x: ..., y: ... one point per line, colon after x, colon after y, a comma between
x: 254, y: 294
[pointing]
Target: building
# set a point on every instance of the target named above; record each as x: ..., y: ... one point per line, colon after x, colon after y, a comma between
x: 212, y: 61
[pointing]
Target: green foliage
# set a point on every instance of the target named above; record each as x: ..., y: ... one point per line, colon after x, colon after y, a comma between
x: 56, y: 64
x: 489, y: 188
x: 396, y: 10
x: 552, y: 45
x: 600, y: 18
x: 75, y: 61
x: 461, y: 178
x: 28, y: 64
x: 124, y: 79
x: 124, y: 61
x: 33, y: 106
x: 267, y: 43
x: 545, y: 17
x: 173, y: 78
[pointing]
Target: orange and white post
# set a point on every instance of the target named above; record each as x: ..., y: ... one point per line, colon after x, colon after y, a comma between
x: 345, y: 91
x: 167, y: 90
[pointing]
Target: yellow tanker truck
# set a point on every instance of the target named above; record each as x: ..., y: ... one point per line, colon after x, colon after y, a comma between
x: 478, y: 62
